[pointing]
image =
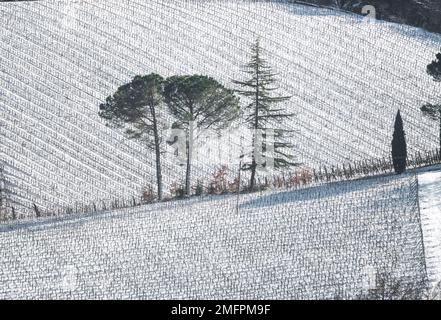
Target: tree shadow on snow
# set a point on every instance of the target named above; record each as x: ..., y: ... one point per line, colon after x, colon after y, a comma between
x: 320, y: 192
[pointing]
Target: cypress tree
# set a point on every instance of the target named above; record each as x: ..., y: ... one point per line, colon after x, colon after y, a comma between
x: 399, y: 147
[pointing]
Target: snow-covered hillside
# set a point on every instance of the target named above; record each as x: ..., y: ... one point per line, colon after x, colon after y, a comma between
x: 60, y: 59
x: 331, y: 241
x: 430, y: 204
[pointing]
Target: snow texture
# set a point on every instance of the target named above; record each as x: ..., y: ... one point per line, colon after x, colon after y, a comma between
x: 60, y: 59
x: 325, y: 242
x: 430, y: 204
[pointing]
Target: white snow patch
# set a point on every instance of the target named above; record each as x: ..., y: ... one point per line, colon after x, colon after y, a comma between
x: 320, y: 243
x: 430, y: 203
x: 60, y: 59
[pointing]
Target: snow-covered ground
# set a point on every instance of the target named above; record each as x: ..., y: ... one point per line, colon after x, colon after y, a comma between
x: 347, y: 78
x: 60, y: 59
x: 329, y: 241
x: 430, y: 204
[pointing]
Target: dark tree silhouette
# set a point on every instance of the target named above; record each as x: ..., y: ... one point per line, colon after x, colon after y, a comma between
x: 434, y: 69
x: 198, y: 103
x: 399, y: 147
x: 262, y: 115
x: 137, y: 106
x: 433, y: 111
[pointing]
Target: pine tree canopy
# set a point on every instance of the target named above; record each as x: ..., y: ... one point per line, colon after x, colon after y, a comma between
x: 200, y: 99
x: 434, y: 69
x: 432, y: 111
x: 199, y: 102
x: 135, y: 106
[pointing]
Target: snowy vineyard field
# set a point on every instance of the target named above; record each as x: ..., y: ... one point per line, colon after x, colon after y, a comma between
x: 321, y: 242
x: 60, y: 59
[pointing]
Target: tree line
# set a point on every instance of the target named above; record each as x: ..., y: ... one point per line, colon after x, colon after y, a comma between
x: 432, y: 111
x: 198, y: 102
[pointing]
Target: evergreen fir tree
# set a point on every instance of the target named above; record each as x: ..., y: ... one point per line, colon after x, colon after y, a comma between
x: 399, y: 147
x: 261, y: 115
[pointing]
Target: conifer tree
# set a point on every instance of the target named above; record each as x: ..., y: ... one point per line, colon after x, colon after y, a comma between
x: 199, y: 102
x: 261, y: 115
x: 137, y: 107
x: 399, y: 147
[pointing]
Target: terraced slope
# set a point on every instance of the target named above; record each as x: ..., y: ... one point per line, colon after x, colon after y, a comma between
x: 430, y: 203
x: 332, y: 241
x: 60, y: 59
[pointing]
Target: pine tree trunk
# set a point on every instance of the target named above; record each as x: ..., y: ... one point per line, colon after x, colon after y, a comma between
x: 189, y: 159
x: 253, y: 163
x: 440, y: 130
x: 158, y: 154
x: 253, y: 174
x: 256, y: 126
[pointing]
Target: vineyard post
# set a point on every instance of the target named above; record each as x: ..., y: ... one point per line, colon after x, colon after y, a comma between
x: 419, y: 217
x: 238, y: 188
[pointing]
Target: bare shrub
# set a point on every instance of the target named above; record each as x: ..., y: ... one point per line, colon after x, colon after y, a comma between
x: 148, y: 195
x: 219, y: 183
x: 391, y: 288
